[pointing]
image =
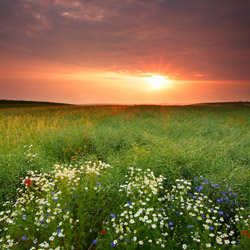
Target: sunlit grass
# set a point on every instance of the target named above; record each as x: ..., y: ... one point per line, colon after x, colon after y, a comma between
x: 175, y: 142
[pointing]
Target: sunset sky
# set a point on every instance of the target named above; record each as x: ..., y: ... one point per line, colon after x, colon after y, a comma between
x: 125, y: 51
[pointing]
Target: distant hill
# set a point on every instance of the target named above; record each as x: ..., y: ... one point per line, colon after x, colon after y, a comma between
x: 19, y: 103
x: 223, y: 104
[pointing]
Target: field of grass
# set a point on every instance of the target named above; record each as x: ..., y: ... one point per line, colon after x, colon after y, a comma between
x: 184, y: 142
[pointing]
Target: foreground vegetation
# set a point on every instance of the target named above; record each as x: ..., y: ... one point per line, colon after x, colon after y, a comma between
x: 204, y: 148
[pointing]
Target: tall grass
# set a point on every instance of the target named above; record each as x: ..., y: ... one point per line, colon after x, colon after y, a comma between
x: 209, y: 141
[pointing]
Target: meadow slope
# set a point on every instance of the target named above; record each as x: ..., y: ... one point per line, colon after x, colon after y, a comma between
x: 171, y: 140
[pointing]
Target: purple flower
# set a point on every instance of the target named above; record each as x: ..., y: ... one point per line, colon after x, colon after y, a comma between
x: 112, y: 215
x: 98, y: 183
x: 190, y: 226
x: 24, y: 238
x: 56, y: 199
x: 74, y: 196
x: 170, y: 223
x: 58, y: 231
x: 112, y: 244
x: 129, y: 202
x: 94, y: 241
x: 211, y: 228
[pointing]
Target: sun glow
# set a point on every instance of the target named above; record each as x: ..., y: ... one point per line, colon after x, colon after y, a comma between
x: 157, y: 82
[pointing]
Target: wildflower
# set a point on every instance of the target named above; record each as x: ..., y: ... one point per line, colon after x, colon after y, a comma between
x: 94, y: 241
x: 102, y: 232
x: 141, y: 242
x: 208, y: 245
x: 184, y: 246
x: 28, y: 182
x: 24, y: 238
x: 112, y: 215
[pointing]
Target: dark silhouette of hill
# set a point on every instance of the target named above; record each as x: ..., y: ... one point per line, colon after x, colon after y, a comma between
x: 20, y: 103
x: 223, y: 104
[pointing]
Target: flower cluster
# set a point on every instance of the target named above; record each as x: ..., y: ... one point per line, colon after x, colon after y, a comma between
x: 157, y: 213
x: 29, y: 155
x: 52, y: 209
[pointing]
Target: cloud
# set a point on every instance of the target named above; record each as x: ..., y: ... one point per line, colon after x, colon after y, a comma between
x: 168, y: 37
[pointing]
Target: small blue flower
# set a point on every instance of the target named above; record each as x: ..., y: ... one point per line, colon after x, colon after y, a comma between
x: 129, y: 202
x: 94, y: 241
x: 47, y: 214
x: 112, y: 244
x: 58, y: 231
x: 24, y: 238
x: 56, y: 199
x: 170, y: 223
x: 177, y: 212
x: 211, y: 228
x: 53, y: 193
x: 74, y: 197
x: 190, y: 226
x: 112, y: 215
x: 98, y: 183
x: 67, y: 210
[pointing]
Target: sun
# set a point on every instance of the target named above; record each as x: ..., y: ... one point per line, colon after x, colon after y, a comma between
x: 157, y: 82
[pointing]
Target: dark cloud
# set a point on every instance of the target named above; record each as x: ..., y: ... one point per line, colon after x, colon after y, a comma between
x: 195, y: 37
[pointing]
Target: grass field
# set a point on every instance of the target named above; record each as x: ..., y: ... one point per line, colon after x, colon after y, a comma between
x: 173, y: 141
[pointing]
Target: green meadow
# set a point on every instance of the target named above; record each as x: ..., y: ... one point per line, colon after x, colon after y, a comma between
x: 177, y: 142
